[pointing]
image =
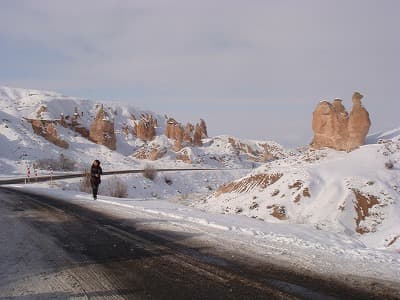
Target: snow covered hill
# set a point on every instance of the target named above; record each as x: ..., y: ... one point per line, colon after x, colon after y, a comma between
x: 356, y: 193
x: 20, y: 146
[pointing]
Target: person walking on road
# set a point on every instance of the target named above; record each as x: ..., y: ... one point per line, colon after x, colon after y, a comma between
x: 95, y: 180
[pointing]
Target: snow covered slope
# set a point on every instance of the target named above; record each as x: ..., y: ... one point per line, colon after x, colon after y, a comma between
x: 20, y: 146
x: 355, y: 193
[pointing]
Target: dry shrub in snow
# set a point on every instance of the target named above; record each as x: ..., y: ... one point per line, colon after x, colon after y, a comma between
x: 149, y: 172
x: 389, y: 165
x: 117, y: 188
x: 168, y: 180
x: 84, y: 185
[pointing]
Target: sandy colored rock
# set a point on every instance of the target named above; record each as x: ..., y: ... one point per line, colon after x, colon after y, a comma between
x: 178, y: 145
x: 184, y: 156
x: 175, y: 131
x: 264, y: 155
x: 248, y: 184
x: 362, y: 206
x: 83, y: 131
x: 203, y: 128
x: 145, y: 128
x: 359, y: 123
x: 197, y: 136
x: 334, y: 128
x: 102, y: 130
x: 187, y: 135
x: 278, y: 211
x: 170, y: 128
x: 151, y: 153
x: 47, y: 129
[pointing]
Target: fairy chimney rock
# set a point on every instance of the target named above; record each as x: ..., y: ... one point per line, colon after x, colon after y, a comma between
x: 334, y: 128
x: 145, y: 128
x: 339, y: 107
x: 359, y: 122
x: 102, y: 130
x: 197, y: 136
x: 203, y: 128
x: 187, y: 135
x: 179, y: 131
x: 170, y: 128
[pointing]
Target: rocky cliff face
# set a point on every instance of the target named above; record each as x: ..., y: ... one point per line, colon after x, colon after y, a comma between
x: 335, y: 128
x: 150, y: 153
x: 178, y: 144
x: 203, y: 128
x: 192, y: 135
x: 170, y: 128
x: 102, y: 130
x: 47, y: 129
x: 175, y: 131
x: 145, y: 128
x: 187, y: 135
x: 197, y: 136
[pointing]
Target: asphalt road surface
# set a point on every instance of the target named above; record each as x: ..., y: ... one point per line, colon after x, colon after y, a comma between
x: 54, y: 249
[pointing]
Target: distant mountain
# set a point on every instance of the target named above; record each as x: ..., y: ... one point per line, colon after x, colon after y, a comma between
x: 37, y: 127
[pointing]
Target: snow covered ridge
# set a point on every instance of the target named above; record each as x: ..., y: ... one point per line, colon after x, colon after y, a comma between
x: 36, y: 127
x: 355, y: 193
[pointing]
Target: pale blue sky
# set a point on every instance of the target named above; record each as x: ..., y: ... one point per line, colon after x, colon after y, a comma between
x: 252, y: 68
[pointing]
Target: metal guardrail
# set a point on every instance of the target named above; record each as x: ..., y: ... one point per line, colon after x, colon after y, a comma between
x: 75, y: 175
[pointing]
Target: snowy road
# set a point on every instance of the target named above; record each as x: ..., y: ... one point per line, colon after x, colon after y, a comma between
x: 54, y: 249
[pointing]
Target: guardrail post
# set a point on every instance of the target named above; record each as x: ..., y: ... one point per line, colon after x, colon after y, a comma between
x: 28, y: 175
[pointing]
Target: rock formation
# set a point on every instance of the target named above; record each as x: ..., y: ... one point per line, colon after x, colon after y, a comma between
x: 335, y: 128
x: 74, y: 124
x: 197, y: 136
x: 102, y: 130
x: 203, y: 128
x: 170, y: 128
x: 184, y: 156
x: 145, y: 128
x: 200, y: 132
x: 151, y: 153
x: 178, y: 145
x: 190, y: 134
x: 175, y: 131
x: 359, y: 123
x: 47, y: 129
x: 187, y: 135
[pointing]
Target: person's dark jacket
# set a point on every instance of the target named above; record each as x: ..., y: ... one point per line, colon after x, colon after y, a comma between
x: 95, y: 170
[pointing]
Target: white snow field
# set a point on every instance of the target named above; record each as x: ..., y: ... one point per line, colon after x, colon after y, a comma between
x: 339, y: 209
x: 356, y: 194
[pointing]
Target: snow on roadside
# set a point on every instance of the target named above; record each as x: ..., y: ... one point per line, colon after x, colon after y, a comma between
x: 303, y: 244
